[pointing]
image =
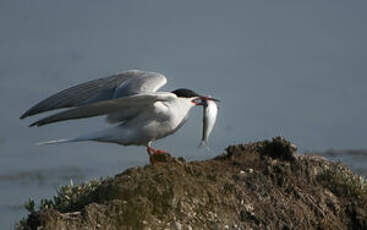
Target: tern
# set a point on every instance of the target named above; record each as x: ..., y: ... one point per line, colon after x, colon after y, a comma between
x: 130, y: 101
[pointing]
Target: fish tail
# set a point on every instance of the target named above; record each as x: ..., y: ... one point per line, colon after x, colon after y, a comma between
x: 205, y: 144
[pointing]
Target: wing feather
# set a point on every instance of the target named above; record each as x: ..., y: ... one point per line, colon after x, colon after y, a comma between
x: 107, y: 88
x: 106, y: 107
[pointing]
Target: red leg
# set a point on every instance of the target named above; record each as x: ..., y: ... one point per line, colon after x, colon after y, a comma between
x: 158, y: 151
x: 152, y: 152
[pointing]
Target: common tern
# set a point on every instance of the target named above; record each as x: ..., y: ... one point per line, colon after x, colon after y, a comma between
x: 130, y: 101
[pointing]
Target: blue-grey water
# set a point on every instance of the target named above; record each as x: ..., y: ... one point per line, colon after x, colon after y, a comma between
x: 290, y: 68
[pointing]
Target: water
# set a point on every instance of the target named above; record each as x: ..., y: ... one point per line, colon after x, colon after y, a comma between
x: 280, y: 68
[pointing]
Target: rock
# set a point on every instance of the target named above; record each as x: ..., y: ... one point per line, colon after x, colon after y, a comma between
x: 262, y: 185
x: 176, y: 226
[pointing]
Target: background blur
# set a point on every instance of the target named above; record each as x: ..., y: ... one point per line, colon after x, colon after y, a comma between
x: 290, y: 68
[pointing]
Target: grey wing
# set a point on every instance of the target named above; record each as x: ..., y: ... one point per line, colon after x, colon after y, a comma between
x: 119, y: 85
x: 145, y: 83
x: 142, y: 82
x: 148, y: 82
x: 138, y: 101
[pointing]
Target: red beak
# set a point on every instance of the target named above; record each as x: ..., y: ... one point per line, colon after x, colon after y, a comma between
x: 209, y: 99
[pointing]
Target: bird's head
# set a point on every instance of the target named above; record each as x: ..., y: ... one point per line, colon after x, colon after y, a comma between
x: 195, y: 98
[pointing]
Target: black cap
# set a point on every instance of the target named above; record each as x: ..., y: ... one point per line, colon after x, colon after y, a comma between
x: 188, y: 93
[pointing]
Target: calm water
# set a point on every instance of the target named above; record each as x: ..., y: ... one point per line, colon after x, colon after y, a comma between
x: 280, y: 68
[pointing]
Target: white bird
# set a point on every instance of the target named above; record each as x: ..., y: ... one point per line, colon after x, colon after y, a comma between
x: 130, y: 100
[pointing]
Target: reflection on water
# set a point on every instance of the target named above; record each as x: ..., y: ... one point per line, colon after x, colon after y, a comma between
x: 44, y: 177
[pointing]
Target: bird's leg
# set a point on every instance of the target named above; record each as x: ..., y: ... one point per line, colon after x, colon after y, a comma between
x: 158, y: 151
x: 151, y: 151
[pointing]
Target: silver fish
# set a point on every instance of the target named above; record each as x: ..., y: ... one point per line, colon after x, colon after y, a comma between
x: 210, y: 112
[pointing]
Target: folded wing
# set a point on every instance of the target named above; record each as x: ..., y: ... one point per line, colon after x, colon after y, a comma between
x: 103, y: 89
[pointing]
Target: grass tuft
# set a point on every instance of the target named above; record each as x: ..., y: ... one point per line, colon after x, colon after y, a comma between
x: 342, y: 181
x: 68, y: 197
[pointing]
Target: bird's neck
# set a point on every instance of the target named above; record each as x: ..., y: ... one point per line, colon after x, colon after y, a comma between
x: 184, y: 105
x: 180, y: 108
x: 179, y: 111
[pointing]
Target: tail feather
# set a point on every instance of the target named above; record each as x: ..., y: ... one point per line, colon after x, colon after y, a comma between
x: 58, y: 141
x: 106, y: 135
